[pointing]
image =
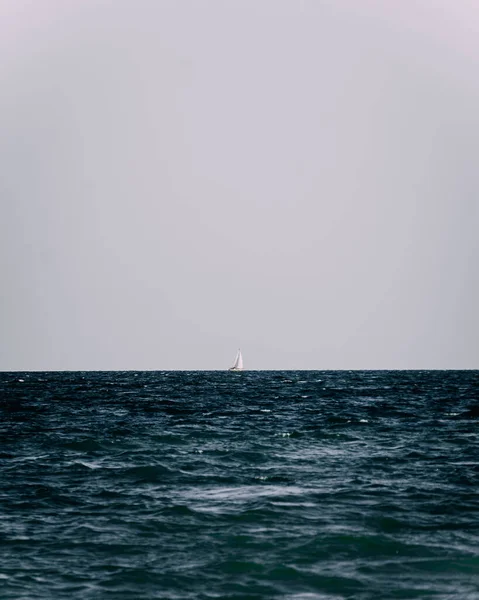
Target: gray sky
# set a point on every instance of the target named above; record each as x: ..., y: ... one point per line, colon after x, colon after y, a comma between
x: 182, y: 177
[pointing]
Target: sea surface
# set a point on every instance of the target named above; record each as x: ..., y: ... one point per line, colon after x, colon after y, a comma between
x: 304, y: 485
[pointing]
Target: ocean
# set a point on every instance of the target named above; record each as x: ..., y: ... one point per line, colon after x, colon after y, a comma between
x: 304, y: 485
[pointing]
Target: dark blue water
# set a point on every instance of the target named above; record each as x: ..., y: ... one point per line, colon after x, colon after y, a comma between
x: 296, y: 485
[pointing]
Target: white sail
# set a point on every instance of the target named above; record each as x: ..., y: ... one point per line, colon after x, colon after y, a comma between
x: 238, y: 363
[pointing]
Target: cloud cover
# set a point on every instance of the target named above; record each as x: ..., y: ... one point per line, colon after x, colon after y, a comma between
x: 296, y: 178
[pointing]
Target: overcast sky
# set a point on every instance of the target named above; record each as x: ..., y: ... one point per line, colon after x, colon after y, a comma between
x: 182, y: 177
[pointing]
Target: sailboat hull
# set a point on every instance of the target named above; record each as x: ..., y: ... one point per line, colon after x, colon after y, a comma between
x: 235, y: 369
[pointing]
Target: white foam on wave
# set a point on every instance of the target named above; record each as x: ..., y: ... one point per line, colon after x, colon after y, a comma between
x: 32, y: 457
x: 312, y: 596
x: 89, y: 465
x: 244, y: 492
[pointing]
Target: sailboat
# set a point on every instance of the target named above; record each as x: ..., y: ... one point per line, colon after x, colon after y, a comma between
x: 238, y: 363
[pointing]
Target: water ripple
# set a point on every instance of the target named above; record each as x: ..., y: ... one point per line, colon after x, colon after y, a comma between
x: 293, y: 485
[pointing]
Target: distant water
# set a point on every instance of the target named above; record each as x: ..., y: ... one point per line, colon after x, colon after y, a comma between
x: 257, y: 485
